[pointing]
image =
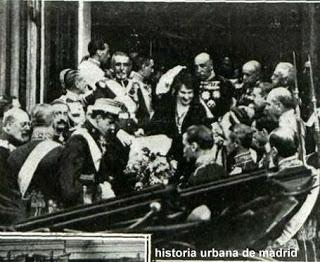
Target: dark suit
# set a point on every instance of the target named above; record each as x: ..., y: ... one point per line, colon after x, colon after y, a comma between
x: 206, y: 174
x: 202, y: 174
x: 44, y: 180
x: 11, y: 207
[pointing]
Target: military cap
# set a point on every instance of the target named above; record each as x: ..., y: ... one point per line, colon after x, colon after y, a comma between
x: 108, y: 106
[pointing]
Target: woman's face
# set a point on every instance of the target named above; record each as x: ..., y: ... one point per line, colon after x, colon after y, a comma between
x: 185, y: 95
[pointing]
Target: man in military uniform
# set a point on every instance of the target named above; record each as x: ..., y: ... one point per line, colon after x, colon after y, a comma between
x: 215, y: 91
x: 241, y: 157
x: 134, y: 94
x: 251, y: 75
x: 94, y: 156
x: 33, y: 166
x: 76, y: 87
x: 15, y: 132
x: 144, y: 68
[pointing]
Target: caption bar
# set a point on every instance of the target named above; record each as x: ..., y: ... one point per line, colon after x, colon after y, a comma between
x: 216, y: 253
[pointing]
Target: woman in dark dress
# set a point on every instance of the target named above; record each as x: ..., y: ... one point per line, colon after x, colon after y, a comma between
x: 176, y: 111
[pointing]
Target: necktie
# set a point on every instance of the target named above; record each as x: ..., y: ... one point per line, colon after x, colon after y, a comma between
x: 142, y: 113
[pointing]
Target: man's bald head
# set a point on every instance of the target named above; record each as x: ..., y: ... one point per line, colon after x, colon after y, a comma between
x: 202, y: 58
x: 282, y: 95
x: 283, y: 75
x: 251, y: 72
x: 203, y: 66
x: 279, y: 100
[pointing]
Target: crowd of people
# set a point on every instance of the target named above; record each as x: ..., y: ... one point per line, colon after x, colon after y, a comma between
x: 74, y: 149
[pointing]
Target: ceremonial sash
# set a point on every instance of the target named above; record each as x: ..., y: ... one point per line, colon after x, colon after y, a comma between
x: 95, y: 151
x: 30, y: 165
x: 208, y: 112
x: 121, y: 95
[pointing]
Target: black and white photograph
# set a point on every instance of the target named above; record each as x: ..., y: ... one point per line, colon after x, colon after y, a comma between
x: 72, y: 248
x: 194, y: 122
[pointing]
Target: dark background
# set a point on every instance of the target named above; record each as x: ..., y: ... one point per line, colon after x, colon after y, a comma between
x: 178, y: 31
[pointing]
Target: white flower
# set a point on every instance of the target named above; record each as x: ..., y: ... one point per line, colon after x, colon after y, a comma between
x: 205, y: 95
x: 148, y: 169
x: 216, y: 94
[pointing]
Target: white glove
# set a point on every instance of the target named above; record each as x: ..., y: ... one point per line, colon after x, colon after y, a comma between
x: 124, y: 137
x: 106, y: 190
x: 87, y: 196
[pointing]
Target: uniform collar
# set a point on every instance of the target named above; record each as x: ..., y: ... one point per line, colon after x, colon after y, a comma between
x: 136, y: 76
x: 92, y: 130
x: 213, y: 75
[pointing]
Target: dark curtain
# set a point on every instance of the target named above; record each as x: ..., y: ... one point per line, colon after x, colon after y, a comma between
x: 61, y: 32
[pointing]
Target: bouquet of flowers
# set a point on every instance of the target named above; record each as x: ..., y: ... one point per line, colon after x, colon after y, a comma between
x: 146, y: 168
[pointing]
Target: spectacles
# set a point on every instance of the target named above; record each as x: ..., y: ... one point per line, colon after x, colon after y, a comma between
x: 25, y: 124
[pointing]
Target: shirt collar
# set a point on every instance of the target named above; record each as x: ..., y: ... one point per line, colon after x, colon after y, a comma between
x: 205, y: 159
x: 94, y: 61
x: 213, y: 74
x: 123, y: 83
x: 72, y: 96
